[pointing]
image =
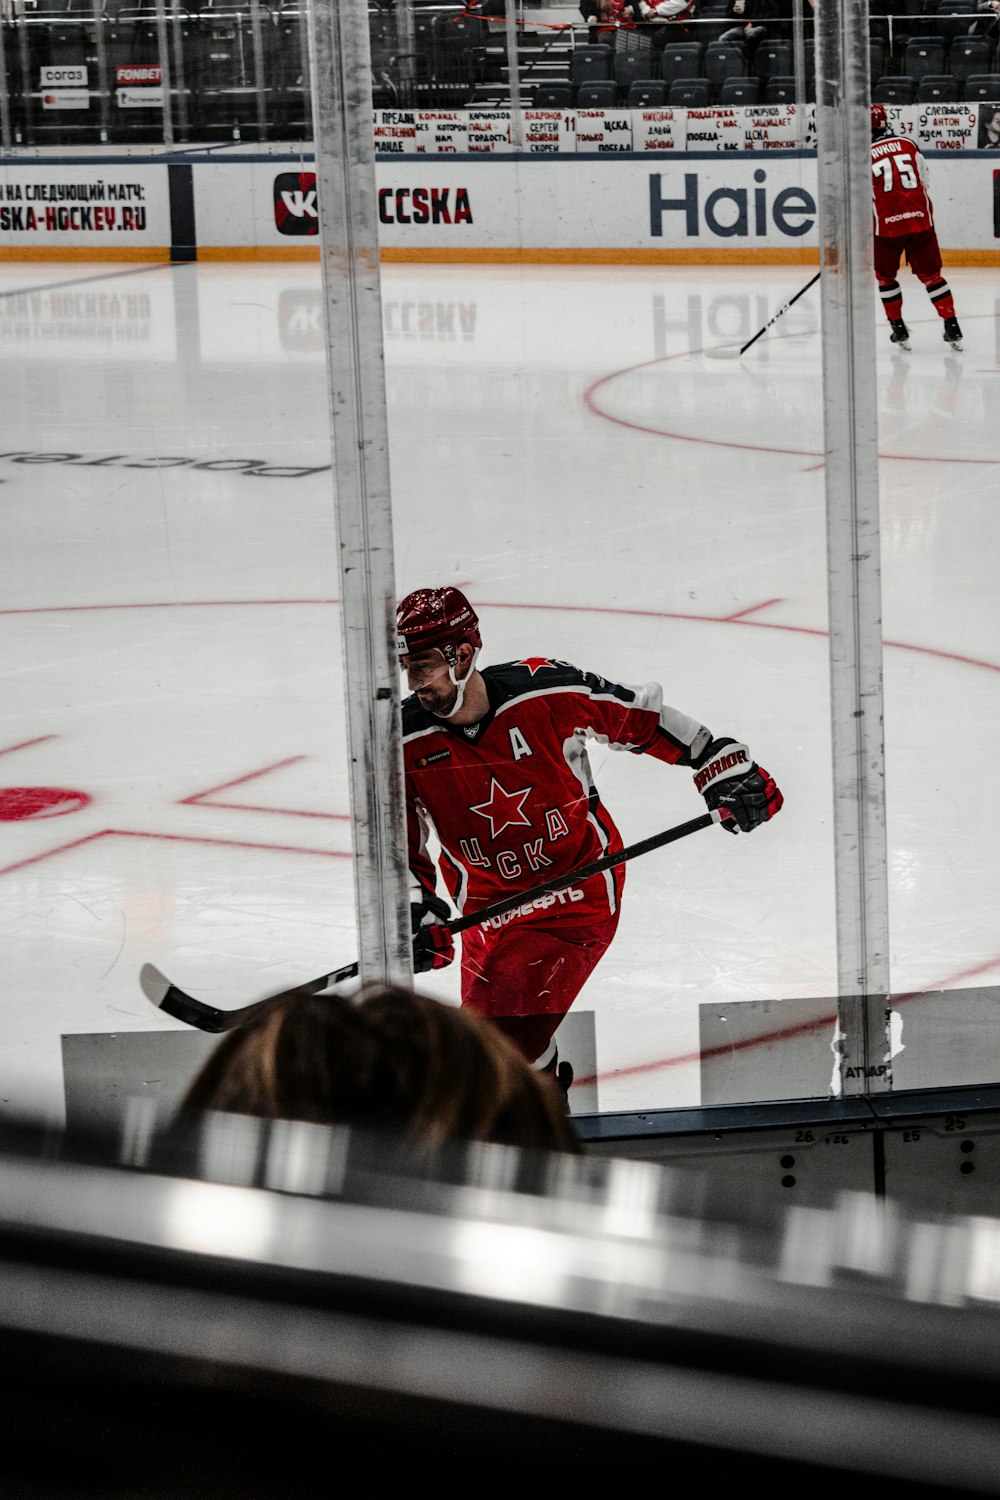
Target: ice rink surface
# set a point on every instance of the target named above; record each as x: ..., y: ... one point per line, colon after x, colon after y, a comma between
x: 172, y: 757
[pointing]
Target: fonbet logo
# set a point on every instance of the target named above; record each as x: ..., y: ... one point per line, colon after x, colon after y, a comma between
x: 136, y: 73
x: 296, y: 210
x: 729, y: 212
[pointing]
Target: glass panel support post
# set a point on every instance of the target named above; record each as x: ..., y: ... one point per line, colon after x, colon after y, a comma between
x: 799, y: 66
x: 6, y: 133
x: 103, y: 71
x: 514, y: 76
x: 177, y: 35
x: 406, y: 55
x: 862, y: 1057
x: 163, y: 57
x: 259, y: 79
x: 345, y: 174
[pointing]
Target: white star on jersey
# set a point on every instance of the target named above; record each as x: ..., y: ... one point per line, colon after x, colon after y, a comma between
x: 503, y: 808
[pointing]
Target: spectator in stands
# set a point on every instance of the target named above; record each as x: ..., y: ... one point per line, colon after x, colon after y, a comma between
x: 605, y: 17
x: 664, y: 20
x: 987, y: 21
x: 389, y: 1060
x: 989, y: 127
x: 755, y: 20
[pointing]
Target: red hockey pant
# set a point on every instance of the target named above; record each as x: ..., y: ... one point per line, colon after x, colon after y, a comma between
x: 526, y: 976
x: 924, y: 256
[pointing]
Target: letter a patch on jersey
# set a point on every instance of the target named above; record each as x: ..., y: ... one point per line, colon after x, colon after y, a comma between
x: 518, y: 744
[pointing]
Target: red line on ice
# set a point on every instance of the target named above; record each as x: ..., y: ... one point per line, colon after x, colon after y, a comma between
x: 208, y: 799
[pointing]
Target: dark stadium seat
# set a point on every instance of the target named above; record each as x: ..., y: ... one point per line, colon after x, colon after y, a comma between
x: 461, y: 30
x: 985, y: 86
x: 600, y: 93
x: 876, y: 58
x: 627, y: 66
x: 893, y: 90
x: 689, y: 92
x: 559, y: 93
x: 773, y: 57
x: 425, y: 31
x: 681, y: 60
x: 923, y: 55
x: 780, y: 89
x: 647, y: 93
x: 724, y: 60
x: 740, y: 91
x: 970, y: 54
x: 590, y: 62
x: 936, y: 88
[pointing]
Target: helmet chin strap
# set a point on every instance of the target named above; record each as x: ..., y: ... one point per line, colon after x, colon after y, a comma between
x: 460, y: 683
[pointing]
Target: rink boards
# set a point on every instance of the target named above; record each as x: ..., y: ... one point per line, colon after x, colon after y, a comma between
x: 710, y: 206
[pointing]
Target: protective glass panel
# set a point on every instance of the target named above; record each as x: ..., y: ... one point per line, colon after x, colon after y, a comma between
x: 559, y: 272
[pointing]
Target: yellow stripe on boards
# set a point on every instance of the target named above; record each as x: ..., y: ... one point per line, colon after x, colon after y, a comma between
x: 498, y: 255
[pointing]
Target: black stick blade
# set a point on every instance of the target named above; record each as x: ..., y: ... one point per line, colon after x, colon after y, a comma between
x: 158, y: 989
x: 174, y: 1002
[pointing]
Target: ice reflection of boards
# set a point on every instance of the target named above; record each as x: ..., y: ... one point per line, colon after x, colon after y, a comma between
x: 726, y: 352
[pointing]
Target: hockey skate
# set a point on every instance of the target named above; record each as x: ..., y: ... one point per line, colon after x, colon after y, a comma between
x: 899, y: 333
x: 952, y: 333
x: 564, y: 1078
x: 561, y: 1074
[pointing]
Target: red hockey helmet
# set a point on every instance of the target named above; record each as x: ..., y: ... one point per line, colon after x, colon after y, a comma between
x: 880, y: 121
x: 441, y: 618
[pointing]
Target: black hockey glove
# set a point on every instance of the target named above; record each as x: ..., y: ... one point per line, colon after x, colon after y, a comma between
x: 742, y: 791
x: 433, y: 944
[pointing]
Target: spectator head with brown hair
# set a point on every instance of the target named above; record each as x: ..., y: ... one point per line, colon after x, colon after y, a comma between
x: 386, y: 1060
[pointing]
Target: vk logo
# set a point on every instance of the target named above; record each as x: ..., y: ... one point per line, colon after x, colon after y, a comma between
x: 295, y: 207
x: 300, y: 204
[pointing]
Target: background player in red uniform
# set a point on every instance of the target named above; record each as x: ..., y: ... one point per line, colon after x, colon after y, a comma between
x: 496, y: 765
x: 904, y: 222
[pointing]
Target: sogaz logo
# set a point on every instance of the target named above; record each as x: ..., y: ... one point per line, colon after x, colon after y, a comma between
x: 295, y: 207
x: 729, y: 212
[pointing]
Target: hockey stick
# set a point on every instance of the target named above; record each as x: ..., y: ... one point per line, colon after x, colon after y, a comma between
x: 183, y: 1007
x: 738, y: 353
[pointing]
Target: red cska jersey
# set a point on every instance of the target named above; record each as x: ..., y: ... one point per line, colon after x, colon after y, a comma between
x: 512, y: 799
x: 900, y: 203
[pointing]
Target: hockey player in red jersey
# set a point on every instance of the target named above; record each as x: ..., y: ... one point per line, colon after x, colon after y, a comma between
x: 904, y: 222
x: 496, y: 764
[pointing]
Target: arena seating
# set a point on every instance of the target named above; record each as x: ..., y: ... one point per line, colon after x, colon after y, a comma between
x: 779, y: 89
x: 560, y: 94
x: 627, y: 67
x: 970, y: 54
x: 598, y: 93
x: 724, y: 60
x: 689, y: 93
x: 240, y: 70
x: 889, y: 90
x: 935, y: 89
x: 681, y: 60
x: 772, y: 57
x: 590, y: 62
x: 985, y: 86
x: 740, y: 91
x: 647, y: 93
